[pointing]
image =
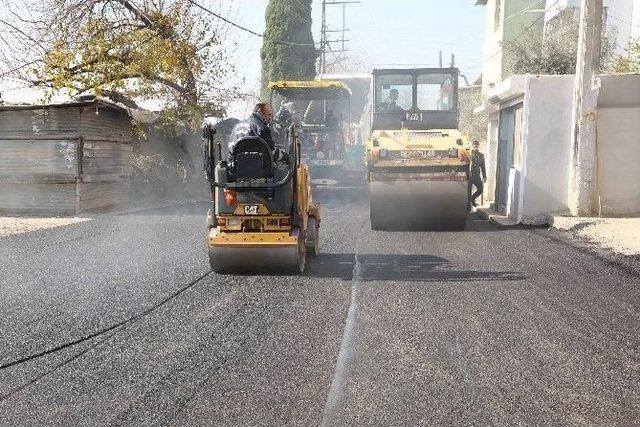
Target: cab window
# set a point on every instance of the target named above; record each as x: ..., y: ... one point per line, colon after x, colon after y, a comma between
x: 435, y: 92
x: 394, y: 92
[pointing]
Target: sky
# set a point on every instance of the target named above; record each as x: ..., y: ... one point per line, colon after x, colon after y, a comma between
x: 383, y: 33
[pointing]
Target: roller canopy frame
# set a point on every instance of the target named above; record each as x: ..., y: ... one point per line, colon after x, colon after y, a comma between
x: 208, y: 134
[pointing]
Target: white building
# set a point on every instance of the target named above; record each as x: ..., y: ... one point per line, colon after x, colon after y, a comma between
x: 529, y: 151
x: 621, y: 18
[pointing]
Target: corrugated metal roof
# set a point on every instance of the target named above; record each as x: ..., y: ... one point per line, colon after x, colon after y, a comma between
x: 98, y: 102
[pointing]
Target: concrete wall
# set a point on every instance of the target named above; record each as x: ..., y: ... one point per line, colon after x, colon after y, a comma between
x: 546, y: 146
x: 622, y: 19
x: 635, y: 20
x: 618, y: 123
x: 540, y: 186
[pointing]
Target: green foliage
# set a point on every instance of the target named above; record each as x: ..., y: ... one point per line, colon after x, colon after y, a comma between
x: 555, y: 53
x: 144, y: 50
x: 288, y: 51
x: 473, y: 125
x: 628, y: 62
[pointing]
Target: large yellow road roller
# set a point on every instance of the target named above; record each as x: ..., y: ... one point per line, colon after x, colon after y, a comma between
x: 262, y: 217
x: 417, y: 159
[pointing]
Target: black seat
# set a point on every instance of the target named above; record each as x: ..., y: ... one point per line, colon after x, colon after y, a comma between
x: 252, y: 159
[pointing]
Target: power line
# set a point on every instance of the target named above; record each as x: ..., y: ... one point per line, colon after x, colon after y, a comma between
x: 225, y: 19
x: 326, y: 43
x: 250, y: 31
x: 523, y: 10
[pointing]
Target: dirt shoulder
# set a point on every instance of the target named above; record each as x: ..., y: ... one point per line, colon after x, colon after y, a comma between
x: 619, y: 235
x: 19, y: 225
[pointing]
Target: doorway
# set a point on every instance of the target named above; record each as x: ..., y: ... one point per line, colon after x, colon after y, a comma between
x: 508, y: 156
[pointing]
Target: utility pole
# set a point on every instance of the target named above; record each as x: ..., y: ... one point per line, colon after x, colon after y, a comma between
x: 327, y: 44
x: 582, y: 185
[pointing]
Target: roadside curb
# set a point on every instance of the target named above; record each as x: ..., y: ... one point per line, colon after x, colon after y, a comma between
x: 500, y: 221
x: 503, y: 221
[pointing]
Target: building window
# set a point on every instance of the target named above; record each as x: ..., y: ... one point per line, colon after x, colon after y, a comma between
x: 496, y: 18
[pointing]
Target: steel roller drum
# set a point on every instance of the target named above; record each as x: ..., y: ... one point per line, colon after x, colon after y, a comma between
x: 418, y: 205
x: 254, y: 260
x: 290, y: 258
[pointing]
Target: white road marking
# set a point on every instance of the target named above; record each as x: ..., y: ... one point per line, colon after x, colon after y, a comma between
x: 338, y: 382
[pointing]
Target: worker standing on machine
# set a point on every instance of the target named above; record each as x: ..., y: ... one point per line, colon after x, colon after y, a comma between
x: 477, y: 172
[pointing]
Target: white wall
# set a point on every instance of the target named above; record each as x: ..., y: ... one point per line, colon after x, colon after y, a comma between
x: 635, y: 19
x: 541, y: 185
x: 623, y: 18
x: 618, y: 126
x: 555, y: 8
x: 546, y: 146
x: 619, y: 20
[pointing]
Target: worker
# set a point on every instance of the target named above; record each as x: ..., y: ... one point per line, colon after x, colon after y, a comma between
x: 478, y: 172
x: 391, y: 104
x: 258, y: 125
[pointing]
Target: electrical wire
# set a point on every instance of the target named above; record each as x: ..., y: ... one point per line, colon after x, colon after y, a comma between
x: 248, y: 30
x: 528, y: 8
x: 100, y: 332
x: 209, y: 11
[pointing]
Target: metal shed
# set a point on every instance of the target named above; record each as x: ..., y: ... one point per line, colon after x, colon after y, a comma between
x: 61, y: 159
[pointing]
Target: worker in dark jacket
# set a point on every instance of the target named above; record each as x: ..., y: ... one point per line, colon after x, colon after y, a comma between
x: 259, y: 122
x: 258, y: 125
x: 477, y: 172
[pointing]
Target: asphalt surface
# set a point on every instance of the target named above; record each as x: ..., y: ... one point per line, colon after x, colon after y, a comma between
x: 118, y: 321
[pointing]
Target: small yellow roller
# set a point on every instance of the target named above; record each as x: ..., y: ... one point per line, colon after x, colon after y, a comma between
x: 262, y: 217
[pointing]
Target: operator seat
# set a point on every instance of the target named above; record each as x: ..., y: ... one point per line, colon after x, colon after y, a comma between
x: 252, y: 159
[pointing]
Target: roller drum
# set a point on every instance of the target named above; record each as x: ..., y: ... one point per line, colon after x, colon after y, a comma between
x: 418, y: 205
x: 262, y: 260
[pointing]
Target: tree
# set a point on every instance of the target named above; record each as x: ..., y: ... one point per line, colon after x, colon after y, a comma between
x: 288, y: 51
x: 629, y: 62
x: 22, y: 43
x: 474, y: 125
x: 554, y: 53
x: 127, y: 51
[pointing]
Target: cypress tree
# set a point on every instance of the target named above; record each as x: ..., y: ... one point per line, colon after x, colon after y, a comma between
x: 288, y: 52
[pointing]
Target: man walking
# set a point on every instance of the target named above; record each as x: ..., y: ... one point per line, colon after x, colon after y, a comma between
x: 477, y: 172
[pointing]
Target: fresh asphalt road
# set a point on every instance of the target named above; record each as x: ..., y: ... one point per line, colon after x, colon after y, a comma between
x: 117, y: 321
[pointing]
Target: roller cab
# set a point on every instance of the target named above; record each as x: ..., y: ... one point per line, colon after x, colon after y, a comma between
x: 262, y: 217
x: 417, y: 159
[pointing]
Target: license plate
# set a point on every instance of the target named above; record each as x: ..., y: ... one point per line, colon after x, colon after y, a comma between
x: 327, y: 162
x: 414, y: 117
x: 251, y: 209
x: 417, y: 154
